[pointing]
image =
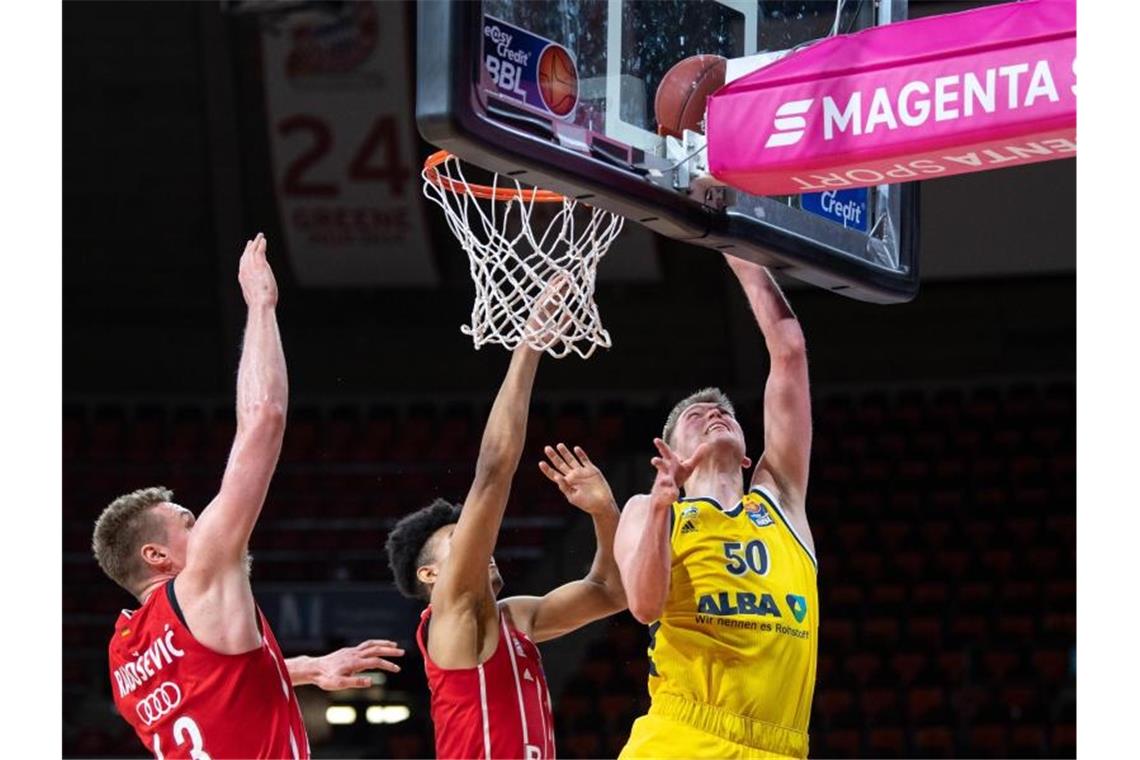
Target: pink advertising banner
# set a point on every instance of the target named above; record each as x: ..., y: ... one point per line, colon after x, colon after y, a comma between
x: 938, y: 96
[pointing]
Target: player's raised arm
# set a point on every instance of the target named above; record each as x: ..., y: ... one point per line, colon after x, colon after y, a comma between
x: 600, y: 592
x: 222, y: 532
x: 217, y: 547
x: 463, y: 582
x: 787, y: 398
x: 642, y: 546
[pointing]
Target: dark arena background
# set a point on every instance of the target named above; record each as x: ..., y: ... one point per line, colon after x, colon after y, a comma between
x: 943, y: 482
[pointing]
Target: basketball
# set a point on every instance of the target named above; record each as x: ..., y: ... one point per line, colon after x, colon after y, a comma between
x: 681, y: 96
x: 558, y: 80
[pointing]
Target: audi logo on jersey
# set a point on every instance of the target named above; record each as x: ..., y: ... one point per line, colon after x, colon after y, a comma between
x: 159, y: 702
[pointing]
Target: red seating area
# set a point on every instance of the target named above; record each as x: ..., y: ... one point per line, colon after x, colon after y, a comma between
x: 944, y: 521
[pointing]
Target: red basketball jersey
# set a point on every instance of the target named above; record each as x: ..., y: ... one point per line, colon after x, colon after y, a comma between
x: 500, y: 709
x: 186, y: 701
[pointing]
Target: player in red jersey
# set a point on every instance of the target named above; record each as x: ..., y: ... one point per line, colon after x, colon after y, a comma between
x: 196, y: 670
x: 488, y: 691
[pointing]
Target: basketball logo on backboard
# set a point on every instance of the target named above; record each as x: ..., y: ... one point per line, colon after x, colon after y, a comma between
x: 526, y: 67
x: 558, y: 80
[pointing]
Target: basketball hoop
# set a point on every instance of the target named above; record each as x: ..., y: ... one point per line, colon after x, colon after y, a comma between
x: 514, y: 257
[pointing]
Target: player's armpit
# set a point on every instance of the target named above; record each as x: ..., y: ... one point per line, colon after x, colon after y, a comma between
x: 462, y: 636
x: 219, y: 609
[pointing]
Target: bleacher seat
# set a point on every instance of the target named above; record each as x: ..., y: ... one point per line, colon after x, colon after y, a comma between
x: 1063, y: 740
x: 944, y: 520
x: 879, y: 704
x: 934, y: 741
x: 1028, y: 740
x: 838, y: 743
x: 886, y: 741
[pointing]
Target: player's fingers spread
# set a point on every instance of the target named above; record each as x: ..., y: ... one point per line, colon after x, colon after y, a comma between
x: 559, y: 479
x: 548, y: 471
x: 385, y: 649
x: 568, y: 456
x: 375, y: 663
x: 582, y: 456
x: 379, y: 643
x: 556, y: 459
x: 360, y: 664
x: 666, y: 452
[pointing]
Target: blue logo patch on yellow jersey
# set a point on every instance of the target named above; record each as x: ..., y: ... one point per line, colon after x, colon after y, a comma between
x: 798, y: 606
x: 756, y: 511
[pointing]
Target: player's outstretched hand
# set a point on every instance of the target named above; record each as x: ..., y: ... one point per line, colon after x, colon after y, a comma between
x: 549, y: 318
x: 342, y: 669
x: 258, y: 286
x: 672, y: 472
x: 579, y: 480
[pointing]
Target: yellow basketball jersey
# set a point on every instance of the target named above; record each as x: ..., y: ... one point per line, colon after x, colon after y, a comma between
x: 741, y: 620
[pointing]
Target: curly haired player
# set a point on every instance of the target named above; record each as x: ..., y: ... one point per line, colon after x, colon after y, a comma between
x: 488, y: 690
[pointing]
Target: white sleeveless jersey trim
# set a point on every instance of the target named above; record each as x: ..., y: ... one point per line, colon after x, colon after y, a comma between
x: 550, y: 706
x: 541, y: 717
x: 518, y: 684
x: 776, y: 505
x: 486, y: 717
x: 280, y: 669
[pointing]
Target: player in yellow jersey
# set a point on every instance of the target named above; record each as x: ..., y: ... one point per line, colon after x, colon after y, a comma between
x: 726, y: 577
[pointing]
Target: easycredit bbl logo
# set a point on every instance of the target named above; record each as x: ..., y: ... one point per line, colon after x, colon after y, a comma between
x: 917, y: 102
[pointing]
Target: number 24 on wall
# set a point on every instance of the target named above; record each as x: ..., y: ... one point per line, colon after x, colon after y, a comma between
x: 377, y: 159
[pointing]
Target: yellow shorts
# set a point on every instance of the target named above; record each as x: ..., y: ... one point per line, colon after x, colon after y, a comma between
x: 677, y: 728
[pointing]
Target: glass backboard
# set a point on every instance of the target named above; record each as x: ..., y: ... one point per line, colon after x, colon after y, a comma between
x: 561, y: 94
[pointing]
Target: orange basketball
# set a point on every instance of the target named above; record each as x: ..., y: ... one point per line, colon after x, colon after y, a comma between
x: 683, y: 92
x: 558, y: 80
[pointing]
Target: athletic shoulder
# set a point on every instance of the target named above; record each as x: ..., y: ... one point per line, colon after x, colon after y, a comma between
x: 636, y: 499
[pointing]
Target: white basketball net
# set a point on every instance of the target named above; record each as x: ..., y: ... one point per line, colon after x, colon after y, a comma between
x: 512, y: 263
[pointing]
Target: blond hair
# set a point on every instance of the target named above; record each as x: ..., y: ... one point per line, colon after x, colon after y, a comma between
x: 126, y: 524
x: 708, y: 395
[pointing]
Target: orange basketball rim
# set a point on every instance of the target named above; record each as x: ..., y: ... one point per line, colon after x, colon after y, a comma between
x: 487, y: 192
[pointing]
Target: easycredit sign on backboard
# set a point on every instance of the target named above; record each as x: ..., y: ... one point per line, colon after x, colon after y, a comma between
x: 938, y: 96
